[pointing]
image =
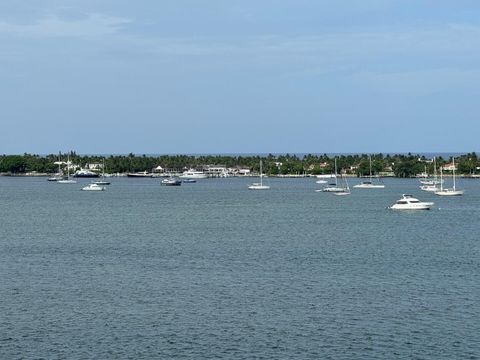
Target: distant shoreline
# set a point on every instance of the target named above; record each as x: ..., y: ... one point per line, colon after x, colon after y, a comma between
x: 280, y: 165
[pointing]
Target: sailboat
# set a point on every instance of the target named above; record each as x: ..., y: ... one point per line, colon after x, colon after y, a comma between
x: 346, y: 188
x: 259, y: 186
x: 448, y: 192
x: 59, y: 174
x: 431, y: 184
x: 369, y: 184
x: 67, y: 180
x: 103, y: 181
x: 334, y: 187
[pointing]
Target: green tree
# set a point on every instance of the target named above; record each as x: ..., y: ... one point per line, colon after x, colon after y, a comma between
x: 13, y: 164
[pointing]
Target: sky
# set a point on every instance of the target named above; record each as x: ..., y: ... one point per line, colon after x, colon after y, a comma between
x: 239, y: 76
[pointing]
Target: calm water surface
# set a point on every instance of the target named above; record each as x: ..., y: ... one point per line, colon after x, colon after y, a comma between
x: 212, y: 270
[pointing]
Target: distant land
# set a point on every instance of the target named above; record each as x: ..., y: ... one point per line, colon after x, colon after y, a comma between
x: 399, y: 165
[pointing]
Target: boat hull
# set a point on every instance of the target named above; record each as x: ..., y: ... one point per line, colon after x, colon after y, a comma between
x: 369, y: 186
x: 258, y: 187
x: 66, y: 182
x: 102, y: 182
x: 342, y: 193
x: 93, y: 187
x: 171, y: 182
x: 417, y: 206
x: 193, y: 176
x: 333, y: 189
x: 449, y: 192
x: 430, y: 188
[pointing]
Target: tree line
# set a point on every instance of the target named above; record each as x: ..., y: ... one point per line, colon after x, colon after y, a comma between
x: 401, y: 165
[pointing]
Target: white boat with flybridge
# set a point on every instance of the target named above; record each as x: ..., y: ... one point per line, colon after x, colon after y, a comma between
x: 93, y: 187
x: 369, y: 184
x: 408, y: 202
x: 448, y: 191
x: 259, y: 186
x: 193, y: 174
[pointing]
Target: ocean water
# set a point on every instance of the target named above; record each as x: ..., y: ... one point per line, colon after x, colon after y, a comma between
x: 212, y: 270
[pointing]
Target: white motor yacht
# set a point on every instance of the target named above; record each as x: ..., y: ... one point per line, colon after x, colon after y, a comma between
x: 193, y: 174
x: 408, y: 202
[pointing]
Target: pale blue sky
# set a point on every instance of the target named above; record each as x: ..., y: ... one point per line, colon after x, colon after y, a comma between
x: 227, y: 76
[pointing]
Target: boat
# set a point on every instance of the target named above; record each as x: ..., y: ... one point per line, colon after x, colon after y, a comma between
x: 193, y: 174
x: 334, y: 186
x: 346, y: 188
x: 451, y: 191
x: 189, y: 181
x: 67, y: 180
x: 369, y: 184
x: 56, y: 177
x: 59, y: 175
x: 171, y: 182
x: 103, y: 181
x: 408, y: 202
x: 93, y: 187
x: 430, y: 184
x: 430, y: 188
x: 82, y: 173
x: 325, y: 176
x: 259, y: 186
x: 140, y: 174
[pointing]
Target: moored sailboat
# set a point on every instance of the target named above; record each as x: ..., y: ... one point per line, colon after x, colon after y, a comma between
x: 259, y: 186
x: 369, y: 184
x: 448, y: 191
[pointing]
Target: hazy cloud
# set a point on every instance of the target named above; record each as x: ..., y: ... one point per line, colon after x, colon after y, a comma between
x: 422, y: 82
x: 53, y: 26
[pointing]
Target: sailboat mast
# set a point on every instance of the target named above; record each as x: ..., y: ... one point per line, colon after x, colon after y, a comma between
x: 453, y: 174
x: 370, y: 157
x: 261, y: 182
x: 336, y: 180
x: 441, y: 178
